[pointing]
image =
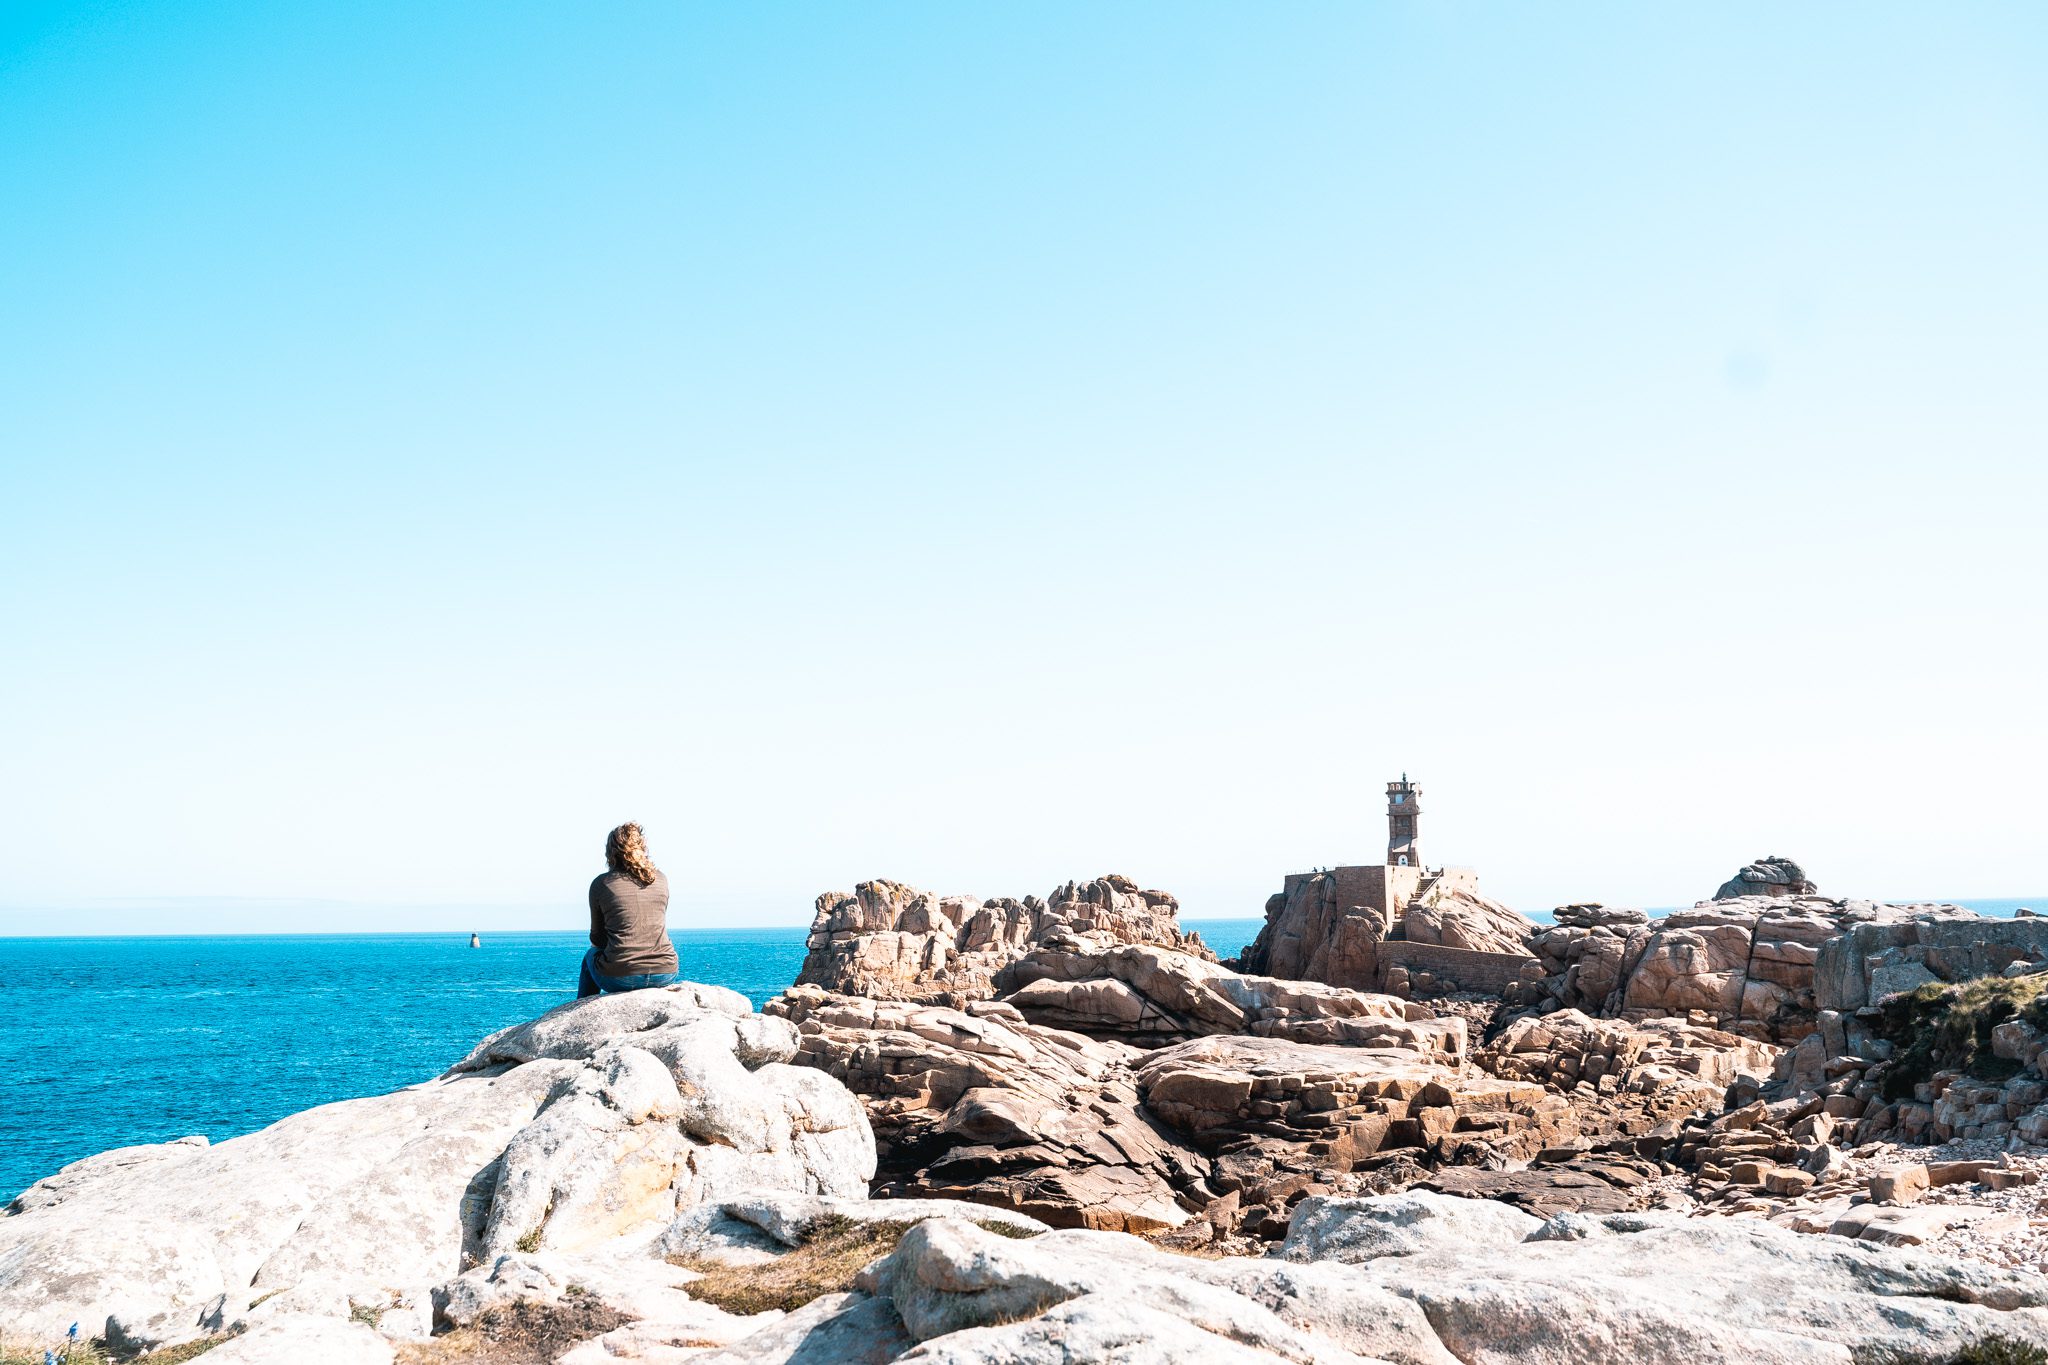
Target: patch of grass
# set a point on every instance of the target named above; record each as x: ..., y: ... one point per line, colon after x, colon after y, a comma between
x: 1009, y: 1230
x: 826, y: 1263
x: 1948, y: 1028
x: 530, y: 1243
x: 178, y: 1355
x: 13, y: 1352
x: 526, y: 1333
x: 95, y: 1352
x: 832, y: 1253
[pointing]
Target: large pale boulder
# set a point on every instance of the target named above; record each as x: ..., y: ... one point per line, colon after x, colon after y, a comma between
x: 305, y: 1340
x: 832, y: 1329
x: 585, y: 1128
x: 387, y: 1191
x: 1619, y: 1290
x: 576, y: 1032
x: 1359, y: 1230
x: 969, y: 1294
x: 1661, y: 1289
x: 1119, y: 1325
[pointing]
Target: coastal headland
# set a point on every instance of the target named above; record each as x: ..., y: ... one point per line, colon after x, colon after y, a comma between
x: 1406, y: 1124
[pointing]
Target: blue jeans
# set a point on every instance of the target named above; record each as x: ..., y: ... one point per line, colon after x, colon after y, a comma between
x: 592, y: 982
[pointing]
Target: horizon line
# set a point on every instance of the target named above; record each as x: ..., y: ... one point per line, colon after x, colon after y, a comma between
x: 1964, y: 902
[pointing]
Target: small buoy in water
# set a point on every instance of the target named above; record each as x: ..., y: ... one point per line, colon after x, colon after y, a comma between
x: 476, y: 940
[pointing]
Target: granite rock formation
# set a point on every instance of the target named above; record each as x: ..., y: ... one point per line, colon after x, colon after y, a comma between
x: 1099, y: 1086
x: 1885, y: 957
x: 1773, y: 968
x: 1282, y: 1121
x: 1134, y: 1088
x: 1425, y: 1280
x: 1744, y: 965
x: 1768, y: 877
x: 1885, y: 950
x: 1627, y: 1078
x: 1337, y: 926
x: 593, y: 1123
x: 1247, y: 1094
x: 888, y: 941
x: 978, y: 1104
x: 1319, y: 929
x: 1151, y: 996
x: 1455, y: 915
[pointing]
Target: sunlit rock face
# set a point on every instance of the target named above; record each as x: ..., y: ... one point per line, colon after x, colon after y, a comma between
x: 590, y: 1125
x: 1768, y: 877
x: 888, y: 941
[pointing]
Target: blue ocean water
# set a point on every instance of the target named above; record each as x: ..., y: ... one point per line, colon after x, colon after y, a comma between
x: 105, y: 1042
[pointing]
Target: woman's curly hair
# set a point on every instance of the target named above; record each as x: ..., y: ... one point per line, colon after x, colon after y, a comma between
x: 625, y: 850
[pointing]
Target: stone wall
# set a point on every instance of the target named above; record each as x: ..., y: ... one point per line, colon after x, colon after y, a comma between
x: 1374, y: 884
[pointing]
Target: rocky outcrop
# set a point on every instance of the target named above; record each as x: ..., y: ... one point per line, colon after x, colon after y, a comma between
x: 1451, y: 913
x: 981, y: 1105
x: 1628, y: 1078
x: 584, y: 1170
x: 1348, y: 927
x: 1321, y: 927
x: 1945, y: 1061
x: 888, y: 941
x: 1767, y: 877
x: 1275, y: 1090
x: 1747, y: 965
x: 1151, y: 996
x: 1879, y: 959
x: 1559, y: 1180
x: 592, y: 1124
x: 1427, y: 1280
x: 1283, y: 1120
x: 1895, y: 948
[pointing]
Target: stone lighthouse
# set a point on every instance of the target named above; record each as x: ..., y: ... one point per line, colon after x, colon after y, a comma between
x: 1403, y: 809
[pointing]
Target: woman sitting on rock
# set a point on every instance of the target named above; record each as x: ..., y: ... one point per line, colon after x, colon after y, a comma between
x: 629, y: 947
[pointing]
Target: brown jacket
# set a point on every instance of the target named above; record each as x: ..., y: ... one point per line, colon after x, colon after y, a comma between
x: 628, y: 926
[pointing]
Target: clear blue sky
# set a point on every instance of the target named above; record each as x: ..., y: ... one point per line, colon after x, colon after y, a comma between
x: 983, y: 446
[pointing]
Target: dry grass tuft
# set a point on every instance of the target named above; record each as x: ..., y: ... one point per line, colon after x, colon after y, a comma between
x: 1942, y: 1027
x: 96, y: 1353
x: 831, y: 1255
x: 526, y: 1333
x: 178, y: 1355
x: 826, y: 1263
